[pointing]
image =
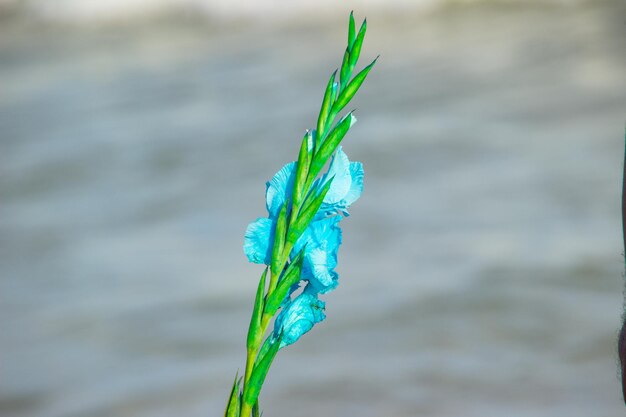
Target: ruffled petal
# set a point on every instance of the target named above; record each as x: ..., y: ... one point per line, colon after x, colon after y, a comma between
x: 257, y: 244
x: 339, y: 171
x: 320, y: 242
x: 279, y: 188
x: 298, y: 317
x: 349, y: 177
x: 356, y: 186
x: 322, y: 277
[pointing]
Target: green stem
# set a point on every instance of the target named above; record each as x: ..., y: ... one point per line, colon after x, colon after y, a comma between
x: 251, y: 356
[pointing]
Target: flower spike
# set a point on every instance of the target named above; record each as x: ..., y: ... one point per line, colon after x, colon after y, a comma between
x: 299, y: 239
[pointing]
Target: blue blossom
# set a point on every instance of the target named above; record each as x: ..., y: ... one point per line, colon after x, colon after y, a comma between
x: 322, y: 238
x: 320, y: 241
x: 298, y: 316
x: 347, y: 184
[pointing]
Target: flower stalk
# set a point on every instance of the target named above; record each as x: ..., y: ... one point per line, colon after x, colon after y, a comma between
x: 299, y: 239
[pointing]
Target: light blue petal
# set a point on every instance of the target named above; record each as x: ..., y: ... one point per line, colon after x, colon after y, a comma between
x: 343, y: 197
x: 298, y: 317
x: 279, y: 188
x: 320, y: 242
x: 326, y: 233
x: 317, y: 260
x: 339, y: 170
x: 258, y: 240
x: 319, y: 265
x: 318, y: 232
x: 356, y: 186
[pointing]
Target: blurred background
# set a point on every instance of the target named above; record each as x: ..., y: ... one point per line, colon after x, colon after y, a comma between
x: 481, y: 270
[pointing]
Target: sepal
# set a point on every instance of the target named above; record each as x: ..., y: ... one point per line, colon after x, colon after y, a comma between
x: 255, y: 330
x: 233, y: 408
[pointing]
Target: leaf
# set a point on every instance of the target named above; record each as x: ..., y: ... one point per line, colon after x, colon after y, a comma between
x: 261, y: 367
x: 330, y: 144
x: 351, y: 89
x: 326, y: 105
x: 351, y: 31
x: 291, y: 277
x: 233, y: 407
x: 279, y: 240
x: 255, y: 331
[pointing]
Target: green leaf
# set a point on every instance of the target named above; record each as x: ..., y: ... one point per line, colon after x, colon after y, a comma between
x: 291, y: 277
x: 351, y: 89
x: 355, y: 51
x: 255, y: 332
x: 326, y: 105
x: 261, y: 367
x: 234, y: 403
x: 330, y: 144
x: 279, y: 241
x: 309, y: 209
x: 351, y: 31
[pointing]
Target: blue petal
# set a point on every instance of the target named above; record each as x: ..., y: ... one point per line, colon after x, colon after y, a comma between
x: 319, y: 265
x: 339, y: 171
x: 320, y: 242
x: 347, y: 173
x: 298, y: 317
x: 258, y: 241
x: 356, y: 186
x: 279, y: 188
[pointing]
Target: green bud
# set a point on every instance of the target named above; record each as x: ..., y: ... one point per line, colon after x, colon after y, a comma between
x: 302, y: 169
x: 326, y: 105
x: 355, y: 51
x: 351, y: 89
x: 291, y: 277
x: 279, y: 239
x: 351, y: 31
x: 330, y: 144
x: 344, y: 75
x: 309, y: 208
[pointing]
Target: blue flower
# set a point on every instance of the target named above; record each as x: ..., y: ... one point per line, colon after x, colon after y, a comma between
x: 298, y: 316
x: 320, y: 241
x: 323, y: 237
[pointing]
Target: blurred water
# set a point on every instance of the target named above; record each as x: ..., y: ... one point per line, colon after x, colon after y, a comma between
x: 480, y: 271
x: 95, y: 11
